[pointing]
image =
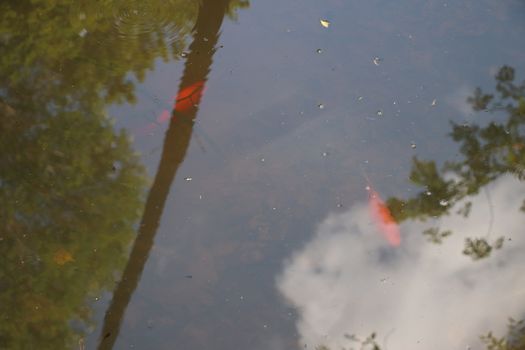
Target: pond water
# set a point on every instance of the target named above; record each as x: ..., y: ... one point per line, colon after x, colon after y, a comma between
x: 250, y: 174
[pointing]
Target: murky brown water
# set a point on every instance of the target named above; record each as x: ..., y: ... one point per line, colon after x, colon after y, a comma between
x: 262, y: 175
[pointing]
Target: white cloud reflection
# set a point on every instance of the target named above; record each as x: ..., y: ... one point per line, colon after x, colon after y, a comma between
x: 347, y: 280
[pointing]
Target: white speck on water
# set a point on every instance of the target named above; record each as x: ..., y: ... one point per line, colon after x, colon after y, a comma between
x: 188, y: 178
x: 183, y: 54
x: 325, y: 23
x: 320, y: 105
x: 428, y: 193
x: 319, y: 51
x: 379, y: 113
x: 83, y: 32
x: 262, y: 160
x: 367, y: 188
x: 413, y: 145
x: 377, y: 60
x: 360, y: 98
x: 325, y: 154
x: 434, y: 103
x: 443, y: 203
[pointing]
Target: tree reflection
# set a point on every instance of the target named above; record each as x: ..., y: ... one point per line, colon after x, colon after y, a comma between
x: 176, y: 142
x: 489, y: 151
x: 70, y: 193
x: 514, y: 339
x: 71, y: 187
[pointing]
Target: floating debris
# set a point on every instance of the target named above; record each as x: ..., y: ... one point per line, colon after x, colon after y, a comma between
x: 188, y: 178
x: 325, y: 154
x: 183, y: 54
x: 83, y: 32
x: 413, y: 145
x: 379, y: 113
x: 377, y: 61
x: 434, y: 103
x: 62, y: 257
x: 319, y: 50
x: 325, y: 23
x: 360, y: 98
x: 443, y: 202
x: 320, y: 105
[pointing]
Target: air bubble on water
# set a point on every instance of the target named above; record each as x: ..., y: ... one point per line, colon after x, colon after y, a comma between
x: 367, y: 188
x: 325, y: 154
x: 377, y: 60
x: 443, y: 202
x: 319, y: 50
x: 262, y: 160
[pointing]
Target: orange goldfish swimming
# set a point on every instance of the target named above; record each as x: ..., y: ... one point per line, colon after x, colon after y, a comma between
x: 188, y: 98
x: 384, y: 220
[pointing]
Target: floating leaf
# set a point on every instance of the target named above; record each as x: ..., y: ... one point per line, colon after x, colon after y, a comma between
x: 325, y: 23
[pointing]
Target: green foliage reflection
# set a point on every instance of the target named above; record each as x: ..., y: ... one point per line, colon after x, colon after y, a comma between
x: 70, y: 193
x: 71, y: 187
x: 488, y: 151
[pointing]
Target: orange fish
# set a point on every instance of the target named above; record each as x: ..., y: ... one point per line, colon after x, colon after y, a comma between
x: 189, y: 97
x: 384, y: 220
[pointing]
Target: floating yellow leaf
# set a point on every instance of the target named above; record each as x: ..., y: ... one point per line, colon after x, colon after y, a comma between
x: 325, y: 23
x: 62, y: 257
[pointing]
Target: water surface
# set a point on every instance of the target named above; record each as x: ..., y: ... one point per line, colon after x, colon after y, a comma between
x: 200, y: 175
